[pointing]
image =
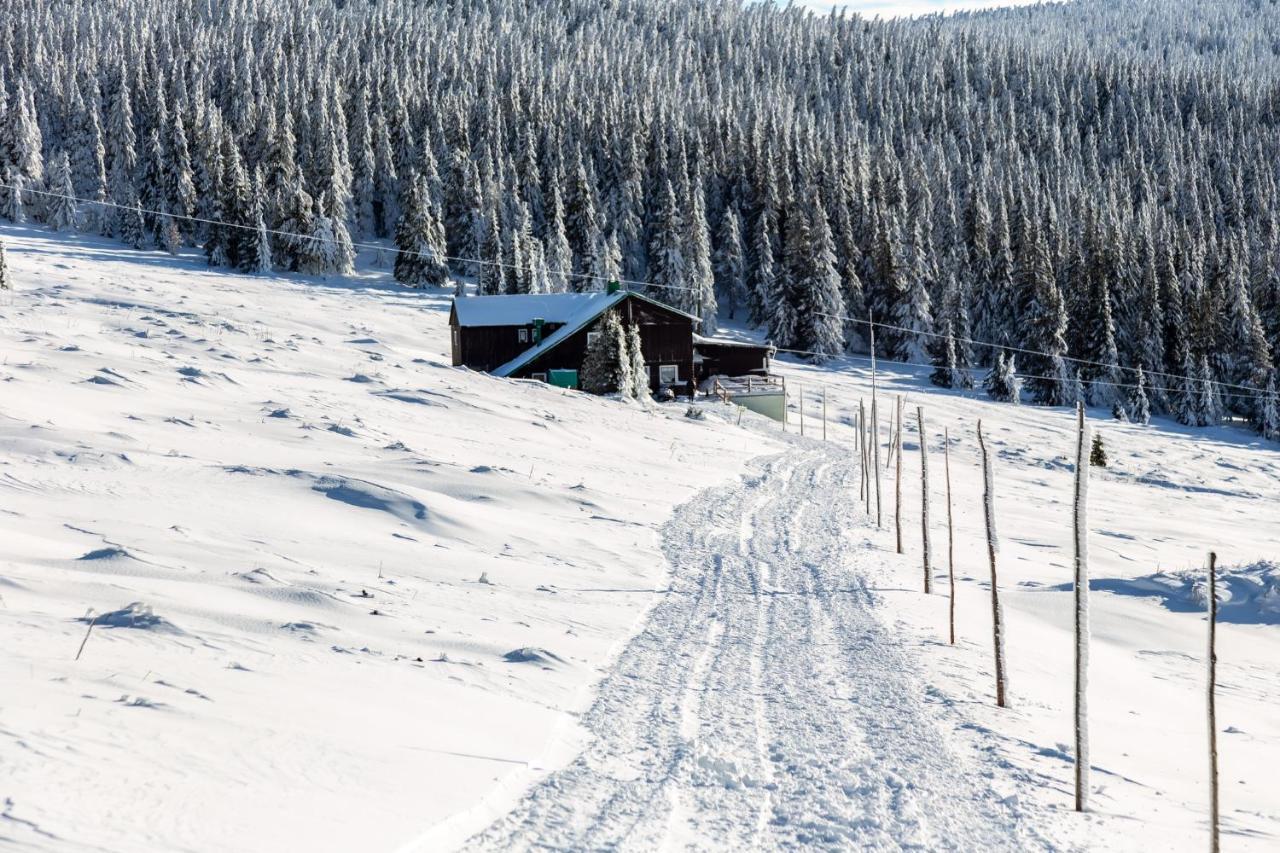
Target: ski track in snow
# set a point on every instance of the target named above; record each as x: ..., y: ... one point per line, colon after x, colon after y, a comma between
x: 763, y: 705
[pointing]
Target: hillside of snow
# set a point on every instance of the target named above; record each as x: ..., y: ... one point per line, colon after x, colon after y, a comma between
x: 329, y: 592
x: 337, y: 539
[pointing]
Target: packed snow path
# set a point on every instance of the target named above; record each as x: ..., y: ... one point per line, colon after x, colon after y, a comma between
x: 763, y: 705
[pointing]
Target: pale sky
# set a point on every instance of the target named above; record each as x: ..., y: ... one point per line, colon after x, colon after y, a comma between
x: 899, y: 8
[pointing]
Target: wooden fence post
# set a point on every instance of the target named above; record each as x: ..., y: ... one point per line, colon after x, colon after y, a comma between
x: 1082, y: 609
x: 897, y: 481
x: 824, y: 412
x: 1214, y: 843
x: 951, y: 533
x: 926, y: 554
x: 997, y: 616
x: 800, y: 393
x: 875, y: 418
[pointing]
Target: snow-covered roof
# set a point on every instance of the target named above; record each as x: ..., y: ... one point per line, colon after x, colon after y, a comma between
x: 522, y: 309
x: 588, y: 311
x: 728, y: 342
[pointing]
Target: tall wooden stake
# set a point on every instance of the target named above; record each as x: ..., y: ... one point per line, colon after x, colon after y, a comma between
x: 862, y: 453
x: 951, y: 533
x: 800, y: 392
x: 1214, y: 844
x: 1082, y: 609
x: 997, y: 616
x: 865, y: 447
x: 897, y: 480
x: 875, y: 420
x: 926, y: 553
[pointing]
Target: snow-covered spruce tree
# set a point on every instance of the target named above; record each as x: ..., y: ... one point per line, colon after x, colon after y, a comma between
x: 559, y: 255
x: 668, y: 271
x: 257, y: 258
x: 819, y: 326
x: 420, y: 241
x: 624, y: 379
x: 1208, y: 402
x: 133, y: 230
x: 1139, y: 408
x: 639, y: 370
x: 730, y: 263
x: 6, y: 281
x: 700, y: 299
x: 607, y: 261
x: 489, y: 278
x: 762, y: 275
x: 601, y: 363
x: 12, y: 206
x: 1002, y: 383
x: 61, y: 213
x: 1042, y: 317
x: 1270, y: 425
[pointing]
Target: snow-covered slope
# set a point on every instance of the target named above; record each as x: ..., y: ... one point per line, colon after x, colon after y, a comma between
x: 349, y: 597
x: 306, y: 496
x: 1168, y: 496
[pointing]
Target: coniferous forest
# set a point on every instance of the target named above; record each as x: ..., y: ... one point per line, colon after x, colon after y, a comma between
x: 1092, y: 187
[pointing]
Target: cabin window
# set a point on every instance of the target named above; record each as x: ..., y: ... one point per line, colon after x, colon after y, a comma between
x: 540, y: 377
x: 455, y: 339
x: 592, y: 337
x: 668, y: 374
x: 523, y: 335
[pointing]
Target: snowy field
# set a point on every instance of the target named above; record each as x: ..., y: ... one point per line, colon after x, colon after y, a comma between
x: 305, y: 495
x: 313, y: 547
x: 1168, y: 496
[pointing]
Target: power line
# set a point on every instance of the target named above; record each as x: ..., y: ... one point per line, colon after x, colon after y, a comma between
x: 568, y: 274
x: 1026, y: 351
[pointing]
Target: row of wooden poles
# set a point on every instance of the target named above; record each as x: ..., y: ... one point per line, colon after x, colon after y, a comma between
x: 868, y: 447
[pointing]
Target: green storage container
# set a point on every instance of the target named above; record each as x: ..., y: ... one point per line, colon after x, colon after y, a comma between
x: 563, y: 378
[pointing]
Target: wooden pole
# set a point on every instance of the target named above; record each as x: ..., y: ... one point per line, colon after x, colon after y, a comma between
x: 1214, y: 843
x: 862, y: 454
x: 865, y: 450
x: 926, y: 553
x: 875, y: 422
x: 800, y: 393
x: 1082, y: 609
x: 824, y: 412
x: 997, y: 620
x: 951, y: 533
x: 897, y: 480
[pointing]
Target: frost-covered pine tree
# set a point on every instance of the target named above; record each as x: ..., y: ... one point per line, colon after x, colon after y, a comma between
x: 61, y: 213
x: 762, y: 276
x: 420, y: 240
x: 133, y: 230
x: 257, y: 259
x: 700, y: 299
x: 603, y: 358
x: 624, y: 379
x: 1270, y: 425
x: 559, y: 255
x: 1139, y: 408
x: 730, y: 262
x: 489, y: 278
x: 639, y: 370
x: 668, y: 272
x: 6, y: 281
x: 1002, y: 383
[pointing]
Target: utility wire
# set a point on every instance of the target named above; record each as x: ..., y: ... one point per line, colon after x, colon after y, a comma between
x: 567, y: 274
